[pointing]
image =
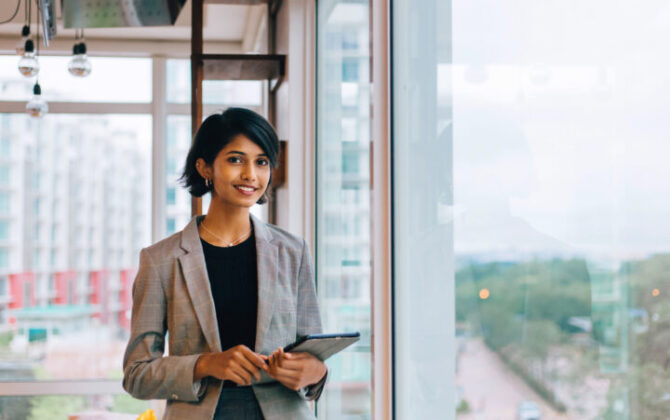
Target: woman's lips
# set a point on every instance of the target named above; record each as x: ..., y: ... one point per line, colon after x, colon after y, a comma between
x: 246, y: 190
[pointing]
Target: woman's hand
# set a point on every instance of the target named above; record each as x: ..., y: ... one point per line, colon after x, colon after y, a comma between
x: 238, y: 364
x: 296, y: 370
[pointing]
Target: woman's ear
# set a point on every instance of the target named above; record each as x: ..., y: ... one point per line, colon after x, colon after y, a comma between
x: 203, y: 168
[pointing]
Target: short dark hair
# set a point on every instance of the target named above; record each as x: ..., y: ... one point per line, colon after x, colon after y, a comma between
x: 216, y: 132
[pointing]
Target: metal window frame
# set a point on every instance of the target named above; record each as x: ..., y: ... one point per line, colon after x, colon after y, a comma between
x: 381, y: 208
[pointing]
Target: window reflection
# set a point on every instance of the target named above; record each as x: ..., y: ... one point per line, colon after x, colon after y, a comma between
x: 558, y: 179
x: 78, y: 217
x: 343, y: 201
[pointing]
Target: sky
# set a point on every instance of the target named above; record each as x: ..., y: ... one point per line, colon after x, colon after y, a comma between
x: 560, y: 126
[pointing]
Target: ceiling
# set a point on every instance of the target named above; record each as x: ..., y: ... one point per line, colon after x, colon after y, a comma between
x: 222, y: 23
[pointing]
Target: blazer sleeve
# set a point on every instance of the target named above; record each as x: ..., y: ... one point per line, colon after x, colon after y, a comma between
x: 147, y: 374
x: 309, y: 318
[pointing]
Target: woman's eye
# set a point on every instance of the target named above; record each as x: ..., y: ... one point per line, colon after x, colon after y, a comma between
x: 234, y: 159
x: 263, y: 162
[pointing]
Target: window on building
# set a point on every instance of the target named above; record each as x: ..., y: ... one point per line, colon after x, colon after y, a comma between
x: 170, y: 226
x: 4, y: 258
x: 4, y: 230
x: 4, y: 202
x: 87, y: 183
x: 342, y: 254
x: 170, y: 198
x: 350, y: 70
x: 4, y: 175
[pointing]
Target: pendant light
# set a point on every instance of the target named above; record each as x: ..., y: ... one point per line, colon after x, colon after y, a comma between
x: 21, y: 46
x: 28, y: 64
x: 37, y: 106
x: 79, y: 65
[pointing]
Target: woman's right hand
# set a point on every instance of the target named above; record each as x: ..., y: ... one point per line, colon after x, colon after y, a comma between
x: 238, y: 364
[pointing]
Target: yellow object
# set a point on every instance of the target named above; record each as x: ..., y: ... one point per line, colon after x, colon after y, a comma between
x: 147, y: 415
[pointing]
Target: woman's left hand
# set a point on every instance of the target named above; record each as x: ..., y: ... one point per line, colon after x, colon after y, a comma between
x: 295, y: 370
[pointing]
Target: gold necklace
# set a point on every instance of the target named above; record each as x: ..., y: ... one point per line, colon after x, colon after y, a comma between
x: 235, y: 242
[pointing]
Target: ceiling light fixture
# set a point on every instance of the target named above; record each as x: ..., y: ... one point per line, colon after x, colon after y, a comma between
x: 37, y: 106
x: 28, y: 64
x: 21, y: 45
x: 79, y: 65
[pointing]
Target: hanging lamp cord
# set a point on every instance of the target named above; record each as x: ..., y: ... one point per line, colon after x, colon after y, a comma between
x: 16, y: 11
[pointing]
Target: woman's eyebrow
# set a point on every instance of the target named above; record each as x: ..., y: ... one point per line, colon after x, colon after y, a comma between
x: 237, y: 152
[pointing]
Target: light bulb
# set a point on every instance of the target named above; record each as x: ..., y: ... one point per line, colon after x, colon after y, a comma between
x: 37, y: 106
x: 28, y: 65
x: 21, y: 46
x: 79, y: 65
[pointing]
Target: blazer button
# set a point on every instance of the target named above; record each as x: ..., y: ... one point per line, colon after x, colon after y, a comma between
x: 175, y: 397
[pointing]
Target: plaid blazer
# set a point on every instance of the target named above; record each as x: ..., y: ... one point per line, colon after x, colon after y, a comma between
x: 172, y: 297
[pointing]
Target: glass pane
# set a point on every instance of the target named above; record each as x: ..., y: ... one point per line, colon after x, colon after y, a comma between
x: 100, y: 407
x: 560, y: 247
x: 422, y: 200
x: 78, y: 231
x: 177, y: 213
x: 246, y: 93
x: 343, y: 200
x: 112, y: 79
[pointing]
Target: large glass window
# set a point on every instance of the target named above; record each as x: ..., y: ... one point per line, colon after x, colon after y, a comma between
x: 343, y: 200
x: 423, y: 314
x: 78, y: 192
x: 529, y: 154
x: 97, y: 166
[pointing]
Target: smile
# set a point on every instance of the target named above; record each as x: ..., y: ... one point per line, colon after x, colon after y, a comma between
x: 245, y: 189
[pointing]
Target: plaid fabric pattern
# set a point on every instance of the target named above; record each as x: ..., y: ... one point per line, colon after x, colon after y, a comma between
x: 172, y: 298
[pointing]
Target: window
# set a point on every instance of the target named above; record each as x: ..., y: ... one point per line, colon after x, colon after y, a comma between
x: 4, y: 202
x: 4, y: 174
x: 350, y: 70
x: 342, y: 249
x: 5, y: 145
x: 4, y: 230
x: 4, y: 258
x: 170, y: 226
x: 86, y: 181
x: 527, y: 215
x: 170, y: 197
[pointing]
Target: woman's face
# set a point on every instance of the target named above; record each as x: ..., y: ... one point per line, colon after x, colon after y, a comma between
x: 240, y: 173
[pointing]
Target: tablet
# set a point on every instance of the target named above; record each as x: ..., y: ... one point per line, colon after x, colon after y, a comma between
x: 323, y: 345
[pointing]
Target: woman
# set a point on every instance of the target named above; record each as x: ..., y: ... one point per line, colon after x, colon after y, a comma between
x: 228, y: 291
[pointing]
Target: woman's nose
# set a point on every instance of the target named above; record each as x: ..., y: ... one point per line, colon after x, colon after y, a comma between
x: 249, y: 173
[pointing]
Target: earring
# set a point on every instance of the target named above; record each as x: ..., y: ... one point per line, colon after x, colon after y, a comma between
x: 208, y: 183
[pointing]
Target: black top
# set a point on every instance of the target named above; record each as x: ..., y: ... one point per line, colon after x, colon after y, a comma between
x: 234, y: 282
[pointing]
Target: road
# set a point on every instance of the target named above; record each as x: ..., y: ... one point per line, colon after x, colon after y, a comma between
x: 491, y: 389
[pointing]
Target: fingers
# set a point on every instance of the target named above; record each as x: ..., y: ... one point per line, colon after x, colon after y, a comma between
x: 248, y: 366
x: 282, y: 355
x: 289, y: 378
x: 239, y: 376
x: 243, y: 364
x: 255, y: 358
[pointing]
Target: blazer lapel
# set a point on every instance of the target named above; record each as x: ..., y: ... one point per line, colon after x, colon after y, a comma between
x: 195, y: 275
x: 267, y: 255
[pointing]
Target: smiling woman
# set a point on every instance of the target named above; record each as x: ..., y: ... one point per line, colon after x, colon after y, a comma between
x: 226, y: 293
